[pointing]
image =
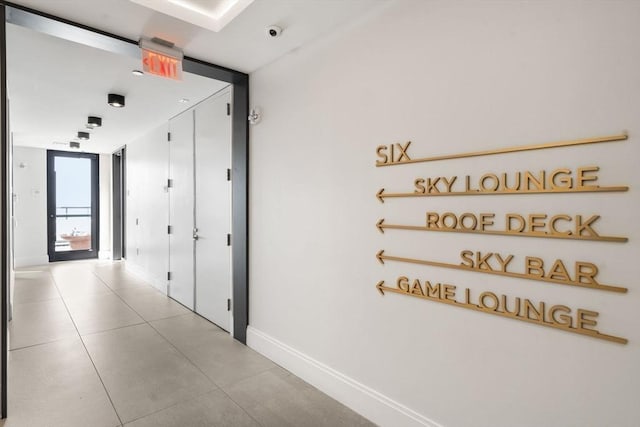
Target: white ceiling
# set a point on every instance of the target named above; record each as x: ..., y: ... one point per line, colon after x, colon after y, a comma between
x: 242, y: 45
x: 54, y: 85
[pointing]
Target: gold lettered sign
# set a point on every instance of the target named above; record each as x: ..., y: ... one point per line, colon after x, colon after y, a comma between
x: 579, y: 273
x: 561, y: 180
x: 578, y: 321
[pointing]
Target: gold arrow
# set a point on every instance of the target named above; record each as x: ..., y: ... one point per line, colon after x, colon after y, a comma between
x: 381, y: 257
x: 382, y: 226
x: 475, y: 307
x: 381, y: 195
x: 557, y: 144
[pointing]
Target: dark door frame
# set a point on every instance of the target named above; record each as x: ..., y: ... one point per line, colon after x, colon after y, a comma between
x: 4, y: 215
x: 52, y: 214
x: 119, y: 197
x: 62, y: 28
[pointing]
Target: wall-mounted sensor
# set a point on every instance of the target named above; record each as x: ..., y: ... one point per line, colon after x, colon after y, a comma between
x: 274, y: 31
x: 255, y: 116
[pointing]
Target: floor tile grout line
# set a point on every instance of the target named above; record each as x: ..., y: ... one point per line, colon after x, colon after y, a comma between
x: 183, y: 355
x: 207, y: 376
x: 53, y: 282
x: 189, y: 360
x: 239, y: 405
x: 88, y: 354
x: 39, y: 344
x: 198, y: 368
x: 175, y: 348
x: 197, y: 396
x: 113, y: 329
x: 186, y: 358
x: 128, y: 305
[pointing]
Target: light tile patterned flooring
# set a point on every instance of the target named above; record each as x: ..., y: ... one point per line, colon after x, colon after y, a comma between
x: 92, y: 345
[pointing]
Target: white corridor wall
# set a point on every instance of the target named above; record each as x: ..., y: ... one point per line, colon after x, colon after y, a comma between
x: 147, y: 201
x: 30, y: 204
x: 451, y: 77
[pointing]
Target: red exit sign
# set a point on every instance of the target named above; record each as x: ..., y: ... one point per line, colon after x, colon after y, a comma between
x: 161, y: 65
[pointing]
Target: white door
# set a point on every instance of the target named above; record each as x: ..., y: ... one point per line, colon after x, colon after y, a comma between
x: 213, y: 209
x: 181, y: 209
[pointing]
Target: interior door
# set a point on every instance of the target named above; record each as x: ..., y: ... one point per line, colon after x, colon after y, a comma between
x: 181, y: 210
x: 72, y: 198
x: 213, y: 209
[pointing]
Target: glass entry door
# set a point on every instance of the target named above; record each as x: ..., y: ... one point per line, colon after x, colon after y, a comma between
x: 72, y: 196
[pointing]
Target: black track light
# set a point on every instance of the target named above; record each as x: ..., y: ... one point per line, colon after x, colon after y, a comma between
x: 115, y: 100
x: 83, y: 136
x: 74, y: 144
x: 94, y: 122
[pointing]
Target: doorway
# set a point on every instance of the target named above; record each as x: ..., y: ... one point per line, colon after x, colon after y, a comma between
x: 200, y: 209
x: 20, y: 18
x: 72, y: 205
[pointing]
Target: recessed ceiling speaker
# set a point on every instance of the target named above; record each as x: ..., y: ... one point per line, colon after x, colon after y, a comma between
x: 115, y: 100
x: 83, y: 136
x: 94, y: 122
x: 74, y: 144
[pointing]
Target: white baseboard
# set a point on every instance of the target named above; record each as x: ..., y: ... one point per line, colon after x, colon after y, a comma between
x: 369, y: 403
x: 156, y: 282
x: 104, y: 254
x: 19, y: 262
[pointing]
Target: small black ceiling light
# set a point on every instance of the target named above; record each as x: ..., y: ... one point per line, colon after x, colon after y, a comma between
x: 94, y: 122
x: 74, y: 144
x: 83, y: 136
x: 115, y: 100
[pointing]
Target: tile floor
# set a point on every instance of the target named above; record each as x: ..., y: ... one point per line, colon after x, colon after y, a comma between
x: 92, y: 345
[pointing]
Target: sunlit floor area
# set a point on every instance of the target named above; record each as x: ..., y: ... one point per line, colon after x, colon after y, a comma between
x: 93, y: 345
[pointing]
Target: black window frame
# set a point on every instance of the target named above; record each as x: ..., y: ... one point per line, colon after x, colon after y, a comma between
x: 52, y: 214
